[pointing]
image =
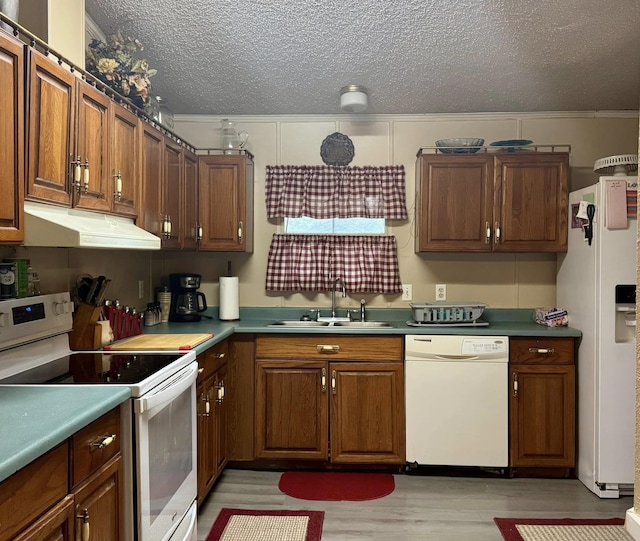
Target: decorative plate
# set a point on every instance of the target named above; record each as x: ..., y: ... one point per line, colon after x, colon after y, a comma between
x: 337, y: 149
x: 511, y: 145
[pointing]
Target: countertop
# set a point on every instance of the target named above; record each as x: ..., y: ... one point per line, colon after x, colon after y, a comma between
x: 37, y: 418
x: 502, y: 322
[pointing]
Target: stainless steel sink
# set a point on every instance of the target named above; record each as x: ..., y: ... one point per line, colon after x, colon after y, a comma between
x: 362, y: 324
x: 298, y: 323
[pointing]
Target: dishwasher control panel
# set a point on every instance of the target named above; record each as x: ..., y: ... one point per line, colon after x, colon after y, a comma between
x: 481, y: 346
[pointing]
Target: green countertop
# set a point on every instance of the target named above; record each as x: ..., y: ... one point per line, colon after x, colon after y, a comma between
x: 502, y: 322
x: 37, y: 418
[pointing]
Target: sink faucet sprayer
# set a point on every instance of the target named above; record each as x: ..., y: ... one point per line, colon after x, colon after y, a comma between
x: 333, y: 295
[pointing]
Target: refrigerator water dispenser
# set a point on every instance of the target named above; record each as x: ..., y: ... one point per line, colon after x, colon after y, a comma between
x: 625, y: 313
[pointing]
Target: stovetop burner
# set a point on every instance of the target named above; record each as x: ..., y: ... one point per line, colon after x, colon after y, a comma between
x: 86, y: 368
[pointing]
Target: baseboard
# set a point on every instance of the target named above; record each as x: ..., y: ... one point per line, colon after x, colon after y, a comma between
x: 632, y: 523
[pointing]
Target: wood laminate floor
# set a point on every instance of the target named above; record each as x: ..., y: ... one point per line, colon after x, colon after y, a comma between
x: 421, y: 507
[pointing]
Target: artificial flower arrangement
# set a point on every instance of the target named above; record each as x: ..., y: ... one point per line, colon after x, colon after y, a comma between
x: 115, y: 64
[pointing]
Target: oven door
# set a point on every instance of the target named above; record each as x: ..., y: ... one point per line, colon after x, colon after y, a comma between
x: 165, y: 443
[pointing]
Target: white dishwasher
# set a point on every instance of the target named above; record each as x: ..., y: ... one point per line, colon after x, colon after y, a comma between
x: 457, y: 398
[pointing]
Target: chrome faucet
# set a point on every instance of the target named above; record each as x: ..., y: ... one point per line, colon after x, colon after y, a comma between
x: 333, y: 295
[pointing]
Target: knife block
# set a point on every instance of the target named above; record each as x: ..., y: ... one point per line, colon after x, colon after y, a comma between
x: 86, y: 332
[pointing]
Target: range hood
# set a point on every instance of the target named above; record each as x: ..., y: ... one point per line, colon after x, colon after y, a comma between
x: 49, y: 225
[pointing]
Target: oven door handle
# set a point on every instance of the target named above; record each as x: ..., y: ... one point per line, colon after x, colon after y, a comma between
x: 168, y: 391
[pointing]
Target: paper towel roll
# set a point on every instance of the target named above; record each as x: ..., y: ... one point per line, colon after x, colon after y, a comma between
x: 229, y: 298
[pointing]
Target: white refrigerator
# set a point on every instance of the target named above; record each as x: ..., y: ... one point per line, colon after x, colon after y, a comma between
x: 606, y: 368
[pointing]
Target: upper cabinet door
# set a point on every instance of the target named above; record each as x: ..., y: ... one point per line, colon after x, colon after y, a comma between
x: 172, y: 195
x: 191, y: 225
x: 152, y: 145
x: 226, y: 203
x: 51, y: 125
x: 91, y: 172
x: 531, y: 193
x: 125, y: 160
x: 454, y: 203
x: 11, y: 140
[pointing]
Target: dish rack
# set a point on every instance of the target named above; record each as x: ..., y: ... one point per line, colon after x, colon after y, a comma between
x: 447, y: 312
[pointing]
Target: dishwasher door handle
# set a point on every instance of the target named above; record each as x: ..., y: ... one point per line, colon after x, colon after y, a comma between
x: 456, y: 357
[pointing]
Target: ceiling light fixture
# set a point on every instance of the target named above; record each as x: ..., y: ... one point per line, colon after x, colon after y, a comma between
x: 353, y: 98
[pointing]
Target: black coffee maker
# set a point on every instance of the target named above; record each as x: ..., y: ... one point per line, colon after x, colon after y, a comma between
x: 186, y: 302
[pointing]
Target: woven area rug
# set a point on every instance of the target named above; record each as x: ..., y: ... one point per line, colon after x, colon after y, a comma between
x: 336, y: 486
x: 566, y: 529
x: 247, y: 524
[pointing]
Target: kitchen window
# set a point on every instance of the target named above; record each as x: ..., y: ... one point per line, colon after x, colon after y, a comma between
x: 334, y: 220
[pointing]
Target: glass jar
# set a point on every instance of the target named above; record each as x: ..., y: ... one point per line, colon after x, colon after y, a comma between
x: 161, y: 113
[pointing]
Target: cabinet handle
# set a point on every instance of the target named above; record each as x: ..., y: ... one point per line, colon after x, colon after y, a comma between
x: 200, y: 371
x: 541, y: 350
x: 207, y: 407
x: 327, y: 348
x: 77, y: 171
x: 497, y: 232
x: 333, y: 382
x: 117, y: 193
x: 85, y: 178
x: 220, y: 355
x: 104, y: 441
x: 198, y: 232
x: 515, y: 385
x: 487, y: 238
x: 323, y: 380
x: 220, y: 399
x: 84, y: 529
x: 166, y: 227
x: 240, y: 226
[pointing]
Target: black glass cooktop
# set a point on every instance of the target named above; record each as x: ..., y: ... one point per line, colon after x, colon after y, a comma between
x: 94, y: 367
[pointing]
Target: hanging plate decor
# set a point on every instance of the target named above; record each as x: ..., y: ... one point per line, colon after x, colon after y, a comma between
x: 337, y: 149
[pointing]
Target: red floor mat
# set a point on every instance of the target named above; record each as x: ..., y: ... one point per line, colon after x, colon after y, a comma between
x: 336, y: 486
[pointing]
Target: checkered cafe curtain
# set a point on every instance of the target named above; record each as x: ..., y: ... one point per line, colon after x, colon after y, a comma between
x: 366, y: 264
x: 324, y: 191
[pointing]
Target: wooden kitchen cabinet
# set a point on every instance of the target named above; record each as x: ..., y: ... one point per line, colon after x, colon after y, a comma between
x: 349, y: 409
x: 502, y: 202
x: 542, y: 404
x: 11, y: 140
x: 152, y: 167
x: 51, y: 123
x: 226, y: 203
x: 124, y: 159
x: 90, y: 161
x: 212, y: 416
x: 191, y: 220
x: 78, y: 478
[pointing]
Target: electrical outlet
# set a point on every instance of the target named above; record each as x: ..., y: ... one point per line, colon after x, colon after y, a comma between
x: 407, y: 292
x: 140, y: 289
x: 441, y: 292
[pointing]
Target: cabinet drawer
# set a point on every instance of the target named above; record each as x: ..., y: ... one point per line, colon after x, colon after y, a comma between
x: 212, y: 359
x: 29, y: 492
x: 541, y: 350
x: 95, y: 445
x: 329, y: 346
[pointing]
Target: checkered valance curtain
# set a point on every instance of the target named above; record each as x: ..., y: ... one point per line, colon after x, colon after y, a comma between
x: 366, y: 264
x: 325, y: 191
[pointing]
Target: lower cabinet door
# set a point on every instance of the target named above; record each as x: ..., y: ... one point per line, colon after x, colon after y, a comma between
x: 98, y: 501
x: 542, y: 416
x: 55, y: 525
x: 291, y: 409
x: 367, y: 413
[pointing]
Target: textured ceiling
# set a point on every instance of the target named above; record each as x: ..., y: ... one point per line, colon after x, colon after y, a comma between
x: 263, y: 57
